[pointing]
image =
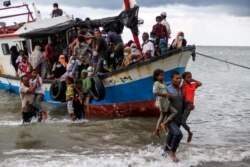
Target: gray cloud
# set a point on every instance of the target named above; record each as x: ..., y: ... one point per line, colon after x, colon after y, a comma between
x: 235, y: 7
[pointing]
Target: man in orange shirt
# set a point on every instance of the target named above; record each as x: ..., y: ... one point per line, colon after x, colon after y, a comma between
x: 188, y: 91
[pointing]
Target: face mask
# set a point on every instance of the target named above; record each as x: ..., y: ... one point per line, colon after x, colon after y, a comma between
x: 125, y: 53
x: 73, y: 61
x: 82, y: 44
x: 58, y: 65
x: 133, y: 49
x: 181, y: 38
x: 103, y: 35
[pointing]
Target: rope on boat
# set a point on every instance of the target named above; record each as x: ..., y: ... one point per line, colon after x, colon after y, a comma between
x: 225, y: 61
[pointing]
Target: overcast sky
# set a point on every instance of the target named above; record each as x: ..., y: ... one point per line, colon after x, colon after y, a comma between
x: 204, y: 22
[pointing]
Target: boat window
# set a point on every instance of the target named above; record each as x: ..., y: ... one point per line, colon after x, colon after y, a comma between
x: 5, y: 49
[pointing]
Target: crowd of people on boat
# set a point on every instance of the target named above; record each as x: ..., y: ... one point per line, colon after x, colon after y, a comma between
x: 95, y: 51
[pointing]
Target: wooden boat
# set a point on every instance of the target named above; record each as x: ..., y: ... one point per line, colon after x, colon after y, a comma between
x: 128, y: 91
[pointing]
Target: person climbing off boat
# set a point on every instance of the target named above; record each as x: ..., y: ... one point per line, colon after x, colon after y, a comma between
x: 70, y: 93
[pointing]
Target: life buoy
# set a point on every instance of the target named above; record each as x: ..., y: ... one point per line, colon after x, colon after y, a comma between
x: 57, y: 90
x: 98, y: 90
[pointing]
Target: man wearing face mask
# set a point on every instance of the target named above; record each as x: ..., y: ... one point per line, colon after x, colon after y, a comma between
x: 135, y: 53
x: 71, y: 69
x: 178, y: 42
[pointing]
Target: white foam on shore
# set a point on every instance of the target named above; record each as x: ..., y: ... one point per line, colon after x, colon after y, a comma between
x: 149, y: 156
x: 14, y: 123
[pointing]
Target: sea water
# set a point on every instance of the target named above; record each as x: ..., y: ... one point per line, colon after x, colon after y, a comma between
x: 220, y: 123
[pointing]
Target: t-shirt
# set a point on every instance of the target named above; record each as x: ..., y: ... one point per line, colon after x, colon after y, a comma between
x: 23, y: 67
x: 148, y: 46
x: 70, y: 92
x: 82, y: 52
x: 161, y: 102
x: 176, y: 101
x: 189, y: 91
x: 40, y: 89
x: 19, y: 59
x: 86, y: 85
x: 57, y: 12
x: 26, y: 98
x: 114, y: 38
x: 160, y: 31
x: 49, y: 51
x: 165, y: 23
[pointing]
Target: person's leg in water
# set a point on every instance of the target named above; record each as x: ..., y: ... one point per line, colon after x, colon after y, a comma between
x: 185, y: 115
x: 173, y: 140
x: 71, y: 110
x: 87, y: 101
x: 38, y: 101
x: 78, y: 109
x: 160, y: 120
x: 164, y: 125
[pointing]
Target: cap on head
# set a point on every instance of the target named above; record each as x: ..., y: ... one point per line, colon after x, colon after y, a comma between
x: 133, y: 45
x: 164, y: 14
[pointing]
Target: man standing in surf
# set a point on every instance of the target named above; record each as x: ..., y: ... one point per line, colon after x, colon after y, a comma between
x: 176, y: 99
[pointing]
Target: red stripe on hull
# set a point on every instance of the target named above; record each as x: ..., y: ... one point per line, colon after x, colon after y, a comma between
x: 8, y: 35
x: 120, y: 110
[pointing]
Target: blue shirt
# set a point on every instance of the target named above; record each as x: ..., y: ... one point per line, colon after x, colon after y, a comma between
x: 171, y: 90
x: 176, y: 101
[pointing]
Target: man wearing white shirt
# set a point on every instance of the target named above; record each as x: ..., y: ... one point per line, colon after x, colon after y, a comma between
x: 148, y: 49
x: 165, y: 23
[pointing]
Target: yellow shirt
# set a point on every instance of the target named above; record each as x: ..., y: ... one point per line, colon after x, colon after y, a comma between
x: 70, y: 92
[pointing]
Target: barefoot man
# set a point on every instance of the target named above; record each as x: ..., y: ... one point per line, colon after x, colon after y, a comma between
x: 174, y: 135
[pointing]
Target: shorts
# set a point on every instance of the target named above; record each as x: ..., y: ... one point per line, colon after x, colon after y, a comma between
x: 70, y: 107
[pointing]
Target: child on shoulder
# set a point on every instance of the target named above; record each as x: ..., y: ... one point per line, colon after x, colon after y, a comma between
x: 188, y: 91
x: 162, y: 102
x: 70, y: 94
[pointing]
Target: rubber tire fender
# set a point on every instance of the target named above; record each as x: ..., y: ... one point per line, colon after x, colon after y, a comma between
x: 57, y: 90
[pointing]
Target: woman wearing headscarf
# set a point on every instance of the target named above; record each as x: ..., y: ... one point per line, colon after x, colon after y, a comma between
x: 178, y: 42
x: 14, y: 54
x: 59, y: 68
x: 36, y: 58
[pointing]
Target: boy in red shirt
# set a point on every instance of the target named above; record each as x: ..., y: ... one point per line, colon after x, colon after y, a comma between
x: 188, y: 91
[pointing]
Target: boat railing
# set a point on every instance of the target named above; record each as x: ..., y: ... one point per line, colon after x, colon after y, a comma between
x: 11, y: 29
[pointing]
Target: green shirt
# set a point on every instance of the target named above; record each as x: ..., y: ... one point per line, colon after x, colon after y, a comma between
x: 86, y: 85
